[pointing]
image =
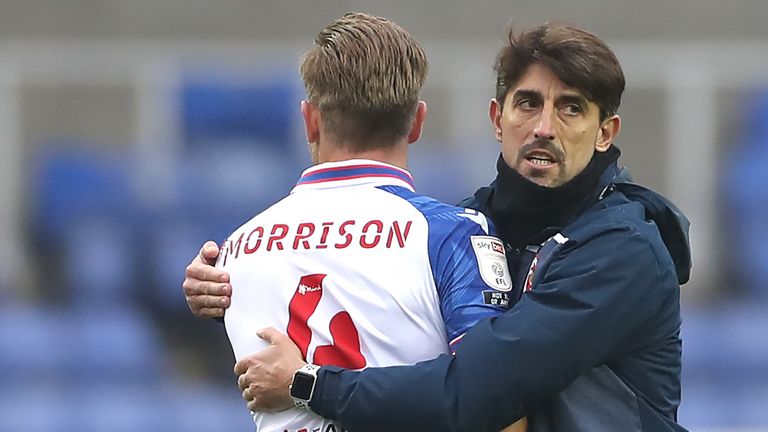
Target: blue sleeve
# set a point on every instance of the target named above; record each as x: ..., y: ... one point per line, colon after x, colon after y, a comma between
x: 589, y: 304
x: 470, y: 270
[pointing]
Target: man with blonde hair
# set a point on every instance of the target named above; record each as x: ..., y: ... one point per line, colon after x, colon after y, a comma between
x: 353, y: 265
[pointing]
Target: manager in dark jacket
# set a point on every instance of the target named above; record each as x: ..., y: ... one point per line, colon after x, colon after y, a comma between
x: 592, y: 343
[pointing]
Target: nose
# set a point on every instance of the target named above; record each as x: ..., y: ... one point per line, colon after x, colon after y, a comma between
x: 544, y: 129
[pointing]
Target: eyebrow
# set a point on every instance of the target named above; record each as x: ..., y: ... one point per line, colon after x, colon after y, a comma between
x: 565, y: 98
x: 574, y: 98
x: 526, y: 94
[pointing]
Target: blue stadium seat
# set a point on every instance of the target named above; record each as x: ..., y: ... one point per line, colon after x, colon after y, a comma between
x: 725, y: 366
x: 112, y: 345
x: 79, y: 182
x: 241, y: 182
x: 727, y: 341
x: 222, y: 105
x: 206, y: 406
x: 746, y: 203
x: 99, y: 260
x: 442, y: 175
x: 37, y: 406
x: 33, y: 343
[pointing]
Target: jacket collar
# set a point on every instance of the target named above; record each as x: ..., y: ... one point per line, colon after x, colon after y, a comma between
x: 527, y: 213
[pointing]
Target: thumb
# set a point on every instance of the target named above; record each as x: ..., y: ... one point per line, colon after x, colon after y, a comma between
x: 271, y: 335
x: 209, y: 252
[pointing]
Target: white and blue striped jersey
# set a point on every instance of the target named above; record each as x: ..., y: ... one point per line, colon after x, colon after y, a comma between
x: 360, y: 271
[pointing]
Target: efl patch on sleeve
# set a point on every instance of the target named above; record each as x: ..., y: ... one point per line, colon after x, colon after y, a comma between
x: 492, y: 262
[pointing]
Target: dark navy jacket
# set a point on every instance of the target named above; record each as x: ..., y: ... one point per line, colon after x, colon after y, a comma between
x: 593, y: 345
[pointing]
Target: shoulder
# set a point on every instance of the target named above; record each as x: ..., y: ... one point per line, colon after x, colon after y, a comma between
x: 479, y: 200
x: 616, y: 233
x: 439, y: 215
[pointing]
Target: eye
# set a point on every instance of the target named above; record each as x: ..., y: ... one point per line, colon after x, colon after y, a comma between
x: 572, y: 109
x: 526, y: 103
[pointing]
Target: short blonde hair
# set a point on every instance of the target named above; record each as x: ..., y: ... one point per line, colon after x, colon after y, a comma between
x: 365, y: 74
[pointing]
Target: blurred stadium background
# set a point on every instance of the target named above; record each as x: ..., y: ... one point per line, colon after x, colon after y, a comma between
x: 132, y: 131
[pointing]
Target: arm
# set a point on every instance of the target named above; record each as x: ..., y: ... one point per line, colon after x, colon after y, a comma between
x: 471, y: 275
x: 590, y: 303
x: 206, y: 288
x: 473, y: 280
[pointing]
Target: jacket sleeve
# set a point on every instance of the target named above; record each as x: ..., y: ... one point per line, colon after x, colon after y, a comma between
x: 594, y: 299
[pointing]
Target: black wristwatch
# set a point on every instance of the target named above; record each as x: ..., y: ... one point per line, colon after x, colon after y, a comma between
x: 303, y: 386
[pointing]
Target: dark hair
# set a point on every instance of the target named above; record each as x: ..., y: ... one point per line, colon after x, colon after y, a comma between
x: 579, y: 58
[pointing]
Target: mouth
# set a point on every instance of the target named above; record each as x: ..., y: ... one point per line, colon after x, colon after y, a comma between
x: 541, y: 159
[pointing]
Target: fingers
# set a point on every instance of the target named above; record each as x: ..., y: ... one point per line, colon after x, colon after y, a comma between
x: 209, y: 313
x: 210, y: 301
x: 271, y: 335
x: 242, y: 366
x: 207, y: 299
x: 241, y: 383
x: 205, y: 272
x: 254, y: 406
x: 264, y: 380
x: 195, y: 287
x: 247, y: 396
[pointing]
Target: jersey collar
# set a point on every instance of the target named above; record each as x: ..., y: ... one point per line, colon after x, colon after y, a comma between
x: 353, y: 172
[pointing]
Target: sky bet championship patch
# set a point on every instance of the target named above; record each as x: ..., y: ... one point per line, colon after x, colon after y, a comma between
x: 492, y: 262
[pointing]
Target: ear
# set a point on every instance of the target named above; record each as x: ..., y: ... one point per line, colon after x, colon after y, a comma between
x: 608, y: 132
x: 418, y: 122
x: 494, y: 113
x: 311, y: 116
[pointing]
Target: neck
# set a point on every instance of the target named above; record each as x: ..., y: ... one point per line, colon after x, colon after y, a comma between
x: 526, y: 212
x: 396, y: 155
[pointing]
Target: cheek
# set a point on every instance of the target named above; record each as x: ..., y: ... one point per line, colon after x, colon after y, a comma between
x: 579, y: 144
x: 578, y: 140
x: 513, y: 136
x: 515, y: 128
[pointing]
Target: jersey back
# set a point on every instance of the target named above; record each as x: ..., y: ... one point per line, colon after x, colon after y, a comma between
x: 359, y: 272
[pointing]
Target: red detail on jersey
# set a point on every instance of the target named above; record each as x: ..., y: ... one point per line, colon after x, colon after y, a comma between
x: 306, y: 236
x: 324, y: 237
x: 350, y: 177
x: 497, y: 247
x: 394, y: 230
x: 223, y: 252
x: 343, y: 232
x: 249, y: 250
x: 376, y: 237
x: 345, y: 349
x: 234, y: 248
x: 529, y: 277
x: 310, y: 227
x: 396, y: 173
x: 341, y: 168
x: 274, y: 237
x: 303, y: 304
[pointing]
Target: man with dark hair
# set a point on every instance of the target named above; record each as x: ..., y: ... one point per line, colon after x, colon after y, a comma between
x: 593, y: 343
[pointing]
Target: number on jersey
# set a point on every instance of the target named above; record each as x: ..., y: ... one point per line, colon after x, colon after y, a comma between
x: 345, y: 349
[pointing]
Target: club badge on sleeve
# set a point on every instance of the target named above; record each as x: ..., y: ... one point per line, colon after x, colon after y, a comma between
x: 492, y: 262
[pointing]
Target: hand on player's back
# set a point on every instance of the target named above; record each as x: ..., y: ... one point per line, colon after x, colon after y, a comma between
x: 265, y: 377
x: 206, y: 288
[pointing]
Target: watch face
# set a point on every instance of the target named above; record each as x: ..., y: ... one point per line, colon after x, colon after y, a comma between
x: 302, y: 385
